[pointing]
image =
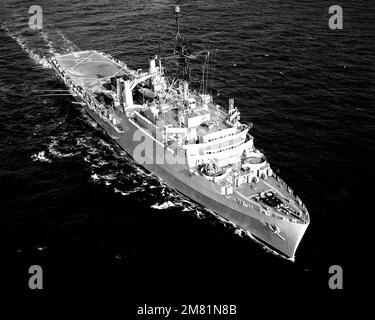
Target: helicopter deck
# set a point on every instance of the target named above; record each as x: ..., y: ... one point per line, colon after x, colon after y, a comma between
x: 90, y: 69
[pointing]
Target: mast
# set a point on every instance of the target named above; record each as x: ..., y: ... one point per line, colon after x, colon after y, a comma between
x: 178, y: 16
x: 181, y: 49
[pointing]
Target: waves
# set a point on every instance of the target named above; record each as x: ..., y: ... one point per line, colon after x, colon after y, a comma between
x: 40, y: 156
x: 40, y: 46
x: 164, y: 205
x: 66, y: 45
x: 312, y: 114
x: 113, y: 169
x: 109, y: 167
x: 24, y: 44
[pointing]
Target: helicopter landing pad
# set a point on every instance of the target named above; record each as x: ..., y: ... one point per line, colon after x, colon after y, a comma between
x: 90, y: 69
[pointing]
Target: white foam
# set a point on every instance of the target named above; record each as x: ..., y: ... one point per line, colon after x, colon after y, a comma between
x: 70, y: 46
x: 53, y: 151
x: 40, y: 156
x: 199, y: 214
x: 110, y: 176
x: 95, y: 177
x: 238, y: 232
x: 51, y: 49
x: 62, y: 45
x: 43, y: 61
x: 164, y: 205
x: 125, y: 193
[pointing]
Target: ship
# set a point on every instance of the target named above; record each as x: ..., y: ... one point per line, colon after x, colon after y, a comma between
x: 194, y: 145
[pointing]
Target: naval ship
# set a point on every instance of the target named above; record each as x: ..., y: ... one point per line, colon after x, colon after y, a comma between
x: 195, y: 145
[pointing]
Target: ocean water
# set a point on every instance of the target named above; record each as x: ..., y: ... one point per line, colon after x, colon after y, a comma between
x: 74, y: 203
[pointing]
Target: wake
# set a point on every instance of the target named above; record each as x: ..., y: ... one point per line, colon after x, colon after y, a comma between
x: 40, y: 46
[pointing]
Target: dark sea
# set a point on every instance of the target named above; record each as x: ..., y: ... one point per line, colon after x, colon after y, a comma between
x: 74, y: 203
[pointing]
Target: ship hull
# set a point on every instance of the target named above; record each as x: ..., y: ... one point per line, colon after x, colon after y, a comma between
x: 277, y: 232
x: 178, y: 177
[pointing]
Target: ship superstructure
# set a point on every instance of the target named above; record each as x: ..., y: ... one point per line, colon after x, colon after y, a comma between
x: 193, y: 144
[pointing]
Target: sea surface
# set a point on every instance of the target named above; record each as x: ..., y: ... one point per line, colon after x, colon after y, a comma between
x: 74, y: 203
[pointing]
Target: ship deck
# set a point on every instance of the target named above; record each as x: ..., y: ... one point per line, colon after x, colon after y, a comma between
x: 247, y: 192
x: 171, y: 117
x: 88, y: 69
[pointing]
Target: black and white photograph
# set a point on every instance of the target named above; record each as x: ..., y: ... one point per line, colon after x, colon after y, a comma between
x: 188, y: 158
